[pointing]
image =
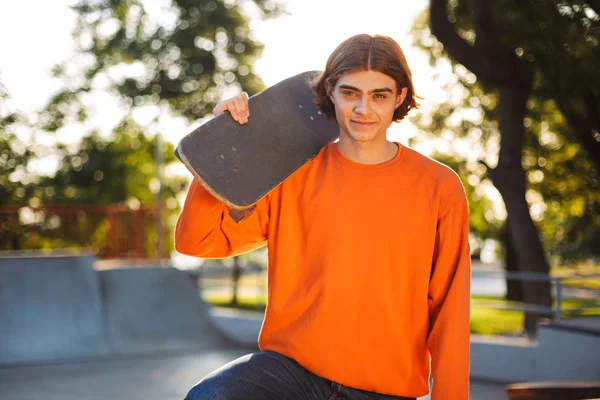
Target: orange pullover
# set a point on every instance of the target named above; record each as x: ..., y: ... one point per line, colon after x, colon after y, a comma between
x: 369, y: 270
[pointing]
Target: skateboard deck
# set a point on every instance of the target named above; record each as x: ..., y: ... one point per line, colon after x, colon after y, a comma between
x: 240, y: 164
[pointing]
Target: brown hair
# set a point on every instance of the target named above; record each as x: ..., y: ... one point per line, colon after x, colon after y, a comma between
x: 363, y: 53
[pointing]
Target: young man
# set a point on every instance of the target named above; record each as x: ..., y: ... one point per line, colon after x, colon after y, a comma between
x: 369, y: 265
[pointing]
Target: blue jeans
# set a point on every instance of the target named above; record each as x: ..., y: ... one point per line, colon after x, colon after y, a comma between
x: 271, y: 376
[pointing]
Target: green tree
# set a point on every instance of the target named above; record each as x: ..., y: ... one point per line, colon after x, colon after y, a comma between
x: 500, y: 53
x: 182, y: 56
x: 108, y: 171
x: 118, y: 169
x: 14, y: 155
x: 178, y: 57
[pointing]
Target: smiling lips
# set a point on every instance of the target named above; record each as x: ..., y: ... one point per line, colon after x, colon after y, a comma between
x: 362, y: 123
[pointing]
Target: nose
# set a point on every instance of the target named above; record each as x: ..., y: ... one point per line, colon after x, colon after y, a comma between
x: 362, y: 105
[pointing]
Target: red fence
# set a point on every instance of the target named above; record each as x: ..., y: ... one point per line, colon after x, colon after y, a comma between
x: 112, y: 231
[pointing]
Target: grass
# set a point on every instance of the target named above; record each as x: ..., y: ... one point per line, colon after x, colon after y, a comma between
x: 490, y: 321
x: 493, y: 321
x: 244, y: 303
x: 484, y: 319
x: 582, y: 283
x: 572, y: 272
x: 581, y: 268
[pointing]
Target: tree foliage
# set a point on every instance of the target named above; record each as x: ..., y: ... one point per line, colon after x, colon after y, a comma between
x: 178, y: 55
x: 14, y: 155
x: 114, y: 170
x: 182, y: 55
x: 560, y: 41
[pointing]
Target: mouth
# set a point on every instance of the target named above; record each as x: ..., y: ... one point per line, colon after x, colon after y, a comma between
x: 362, y: 123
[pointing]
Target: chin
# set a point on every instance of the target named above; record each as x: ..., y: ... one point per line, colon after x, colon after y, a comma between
x: 362, y: 137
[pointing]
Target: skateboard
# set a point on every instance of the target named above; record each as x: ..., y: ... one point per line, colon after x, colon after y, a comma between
x: 240, y: 164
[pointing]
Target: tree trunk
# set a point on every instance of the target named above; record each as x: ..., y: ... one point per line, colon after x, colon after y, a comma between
x: 496, y: 65
x: 237, y: 272
x: 514, y: 287
x: 509, y: 179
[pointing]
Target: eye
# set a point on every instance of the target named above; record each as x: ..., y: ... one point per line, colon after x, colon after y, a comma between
x: 348, y: 93
x: 380, y: 96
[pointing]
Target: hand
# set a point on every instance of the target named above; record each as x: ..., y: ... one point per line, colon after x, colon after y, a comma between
x: 237, y: 107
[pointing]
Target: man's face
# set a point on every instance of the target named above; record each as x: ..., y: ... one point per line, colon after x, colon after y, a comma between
x: 364, y: 104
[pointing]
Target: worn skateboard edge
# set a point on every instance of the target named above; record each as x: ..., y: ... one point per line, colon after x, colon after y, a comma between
x: 223, y: 199
x: 237, y: 214
x: 206, y: 186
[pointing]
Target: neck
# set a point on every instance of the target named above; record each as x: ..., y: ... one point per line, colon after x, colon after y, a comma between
x: 371, y: 152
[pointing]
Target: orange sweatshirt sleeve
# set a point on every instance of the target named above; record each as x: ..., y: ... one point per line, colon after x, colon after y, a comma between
x: 205, y: 229
x: 449, y: 298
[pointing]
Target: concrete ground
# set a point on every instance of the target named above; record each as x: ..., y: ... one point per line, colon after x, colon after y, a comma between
x: 127, y: 326
x: 141, y: 378
x: 166, y: 377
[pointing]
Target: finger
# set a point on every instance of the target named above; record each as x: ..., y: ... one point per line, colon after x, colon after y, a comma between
x: 241, y: 106
x: 246, y: 104
x: 231, y: 107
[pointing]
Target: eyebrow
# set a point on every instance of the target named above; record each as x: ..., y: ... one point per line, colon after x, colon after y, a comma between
x: 386, y: 89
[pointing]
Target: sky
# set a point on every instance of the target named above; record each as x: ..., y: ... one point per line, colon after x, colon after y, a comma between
x: 32, y: 42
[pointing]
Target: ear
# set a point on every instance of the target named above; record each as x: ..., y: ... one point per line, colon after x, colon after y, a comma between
x: 401, y: 97
x: 328, y: 90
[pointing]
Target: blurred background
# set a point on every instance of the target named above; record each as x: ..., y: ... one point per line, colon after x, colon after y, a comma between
x: 95, y: 95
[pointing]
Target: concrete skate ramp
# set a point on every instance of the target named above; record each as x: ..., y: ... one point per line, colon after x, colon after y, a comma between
x: 59, y: 308
x: 50, y: 308
x: 156, y: 309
